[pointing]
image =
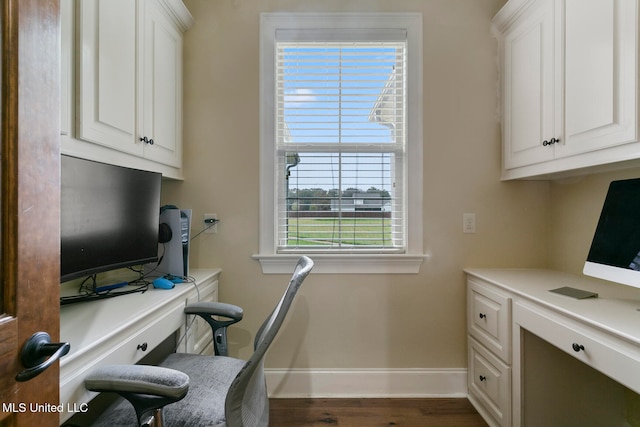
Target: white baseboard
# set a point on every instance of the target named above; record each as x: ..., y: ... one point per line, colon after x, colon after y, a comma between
x: 366, y: 383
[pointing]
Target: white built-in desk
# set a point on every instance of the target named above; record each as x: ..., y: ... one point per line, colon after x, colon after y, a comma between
x: 505, y: 305
x: 124, y: 329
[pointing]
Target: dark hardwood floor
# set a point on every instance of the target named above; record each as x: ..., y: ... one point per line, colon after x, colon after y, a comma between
x: 373, y: 413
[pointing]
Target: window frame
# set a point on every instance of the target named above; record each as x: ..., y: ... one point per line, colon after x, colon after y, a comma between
x: 331, y: 261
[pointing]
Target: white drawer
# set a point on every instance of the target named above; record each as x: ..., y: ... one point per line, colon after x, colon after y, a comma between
x: 613, y: 356
x: 121, y: 349
x: 489, y: 381
x: 489, y: 317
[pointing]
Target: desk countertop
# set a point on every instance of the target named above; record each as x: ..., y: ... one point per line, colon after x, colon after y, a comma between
x: 615, y: 311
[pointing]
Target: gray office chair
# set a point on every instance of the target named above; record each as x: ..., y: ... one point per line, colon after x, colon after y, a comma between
x: 195, y: 390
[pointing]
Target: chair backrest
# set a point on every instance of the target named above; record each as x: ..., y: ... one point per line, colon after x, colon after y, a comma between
x: 247, y: 404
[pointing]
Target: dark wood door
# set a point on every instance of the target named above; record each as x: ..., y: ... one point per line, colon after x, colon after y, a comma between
x: 30, y: 206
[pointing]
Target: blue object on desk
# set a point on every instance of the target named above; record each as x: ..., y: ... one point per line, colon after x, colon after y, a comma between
x: 162, y: 283
x: 109, y: 287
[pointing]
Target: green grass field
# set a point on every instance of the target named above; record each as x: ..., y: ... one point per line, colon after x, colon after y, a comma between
x: 340, y: 231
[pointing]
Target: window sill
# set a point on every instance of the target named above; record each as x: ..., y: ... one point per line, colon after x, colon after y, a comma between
x: 344, y: 263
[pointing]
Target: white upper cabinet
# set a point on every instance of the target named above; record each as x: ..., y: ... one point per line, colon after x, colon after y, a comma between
x: 569, y: 85
x: 161, y: 114
x: 529, y: 107
x: 600, y: 69
x: 127, y: 60
x: 66, y: 66
x: 107, y: 74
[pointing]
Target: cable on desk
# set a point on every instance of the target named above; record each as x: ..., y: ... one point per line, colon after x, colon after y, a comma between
x: 192, y: 280
x: 87, y: 290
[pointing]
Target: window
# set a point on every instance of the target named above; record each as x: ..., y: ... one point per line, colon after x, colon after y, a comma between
x: 341, y: 141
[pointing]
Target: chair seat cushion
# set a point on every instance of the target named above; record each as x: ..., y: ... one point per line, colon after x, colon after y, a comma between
x: 210, y: 378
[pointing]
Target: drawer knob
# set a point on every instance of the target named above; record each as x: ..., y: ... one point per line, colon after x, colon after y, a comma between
x: 482, y: 378
x: 142, y: 346
x: 483, y: 316
x: 577, y: 347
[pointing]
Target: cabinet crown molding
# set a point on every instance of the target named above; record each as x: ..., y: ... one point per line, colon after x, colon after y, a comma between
x: 510, y: 12
x: 179, y: 12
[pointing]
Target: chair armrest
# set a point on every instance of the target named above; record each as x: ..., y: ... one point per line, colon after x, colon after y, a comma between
x: 226, y: 315
x: 140, y: 379
x: 215, y: 309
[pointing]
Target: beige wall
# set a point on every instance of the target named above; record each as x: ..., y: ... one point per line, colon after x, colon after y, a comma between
x: 358, y: 321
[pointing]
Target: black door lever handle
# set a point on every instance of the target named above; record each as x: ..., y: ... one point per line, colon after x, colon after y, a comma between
x: 38, y: 353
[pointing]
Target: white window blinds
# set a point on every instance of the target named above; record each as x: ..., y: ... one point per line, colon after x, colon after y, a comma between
x: 340, y: 146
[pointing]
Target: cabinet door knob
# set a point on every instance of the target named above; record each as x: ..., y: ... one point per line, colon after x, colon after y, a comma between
x: 147, y: 140
x: 550, y: 142
x: 577, y: 347
x: 482, y: 378
x: 483, y: 316
x: 142, y: 346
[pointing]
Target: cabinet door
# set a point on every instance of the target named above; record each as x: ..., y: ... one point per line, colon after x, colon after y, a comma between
x: 107, y: 74
x: 600, y: 74
x: 161, y: 118
x: 66, y: 66
x: 528, y: 85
